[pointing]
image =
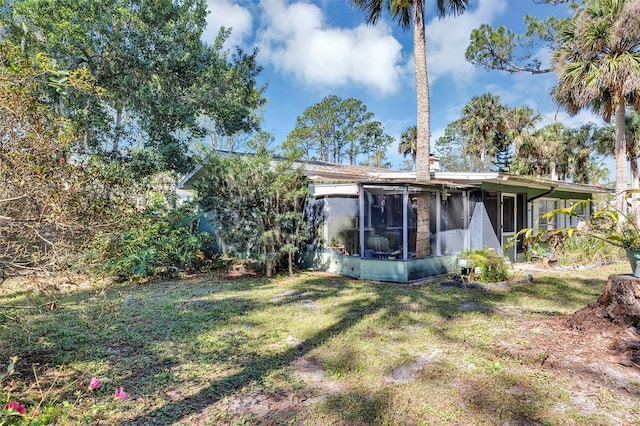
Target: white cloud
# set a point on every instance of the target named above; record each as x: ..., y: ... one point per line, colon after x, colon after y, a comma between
x: 447, y: 40
x: 230, y: 15
x: 297, y: 40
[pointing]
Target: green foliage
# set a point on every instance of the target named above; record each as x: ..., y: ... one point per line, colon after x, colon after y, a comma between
x: 339, y: 130
x: 505, y: 137
x: 255, y: 207
x: 157, y: 75
x: 158, y: 240
x: 493, y: 267
x: 502, y: 49
x: 586, y: 250
x: 451, y: 148
x: 479, y: 133
x: 606, y: 225
x: 598, y: 68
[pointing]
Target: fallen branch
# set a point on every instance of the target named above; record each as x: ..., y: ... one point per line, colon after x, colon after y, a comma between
x: 50, y: 305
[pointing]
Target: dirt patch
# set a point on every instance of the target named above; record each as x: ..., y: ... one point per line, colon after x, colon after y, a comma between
x: 257, y: 406
x: 600, y: 357
x: 408, y: 372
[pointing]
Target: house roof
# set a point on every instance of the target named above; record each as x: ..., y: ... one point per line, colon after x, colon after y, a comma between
x: 320, y: 173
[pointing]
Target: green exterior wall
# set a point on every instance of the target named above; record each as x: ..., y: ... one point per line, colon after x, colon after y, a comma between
x: 535, y: 192
x: 399, y: 271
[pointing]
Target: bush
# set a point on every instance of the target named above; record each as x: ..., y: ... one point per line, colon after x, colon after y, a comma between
x: 493, y: 267
x: 583, y: 250
x: 256, y: 207
x: 157, y: 241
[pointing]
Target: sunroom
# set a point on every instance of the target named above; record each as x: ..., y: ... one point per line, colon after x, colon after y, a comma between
x: 392, y: 229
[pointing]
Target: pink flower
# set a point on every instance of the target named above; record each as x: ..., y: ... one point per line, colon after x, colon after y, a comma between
x: 120, y: 393
x: 94, y: 383
x: 81, y: 384
x: 16, y: 406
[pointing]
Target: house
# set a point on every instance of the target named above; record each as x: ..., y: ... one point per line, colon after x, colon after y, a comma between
x: 380, y: 224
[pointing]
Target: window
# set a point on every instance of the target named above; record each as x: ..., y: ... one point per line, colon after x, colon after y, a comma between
x: 545, y: 206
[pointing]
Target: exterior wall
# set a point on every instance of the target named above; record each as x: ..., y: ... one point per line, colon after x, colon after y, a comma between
x: 400, y: 271
x: 348, y: 266
x: 431, y: 266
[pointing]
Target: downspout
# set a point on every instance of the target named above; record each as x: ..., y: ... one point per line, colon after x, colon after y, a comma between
x: 549, y: 192
x: 529, y: 200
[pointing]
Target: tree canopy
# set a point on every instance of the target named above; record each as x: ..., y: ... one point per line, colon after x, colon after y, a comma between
x: 157, y: 75
x: 511, y: 144
x: 502, y: 49
x: 339, y: 130
x: 598, y: 67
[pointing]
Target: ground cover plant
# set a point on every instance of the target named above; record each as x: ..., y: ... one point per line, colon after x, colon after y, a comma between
x: 316, y: 349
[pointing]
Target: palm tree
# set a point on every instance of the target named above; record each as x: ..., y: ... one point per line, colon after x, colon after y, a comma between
x: 407, y: 13
x: 540, y: 152
x: 483, y: 119
x: 581, y: 144
x: 409, y: 143
x: 520, y: 122
x: 598, y: 67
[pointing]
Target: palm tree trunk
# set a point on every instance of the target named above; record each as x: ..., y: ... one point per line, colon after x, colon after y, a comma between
x: 620, y: 154
x: 422, y: 93
x: 423, y: 238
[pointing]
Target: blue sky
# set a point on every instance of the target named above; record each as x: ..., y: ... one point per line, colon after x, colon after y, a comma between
x: 315, y: 48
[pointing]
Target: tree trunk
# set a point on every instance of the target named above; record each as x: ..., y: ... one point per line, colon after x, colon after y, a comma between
x: 423, y: 237
x: 621, y: 300
x: 290, y: 263
x: 620, y: 154
x: 422, y: 93
x: 423, y: 172
x: 554, y: 169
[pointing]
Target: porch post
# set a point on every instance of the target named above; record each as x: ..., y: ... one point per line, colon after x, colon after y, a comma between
x: 438, y: 249
x: 467, y: 213
x: 361, y: 223
x: 405, y: 222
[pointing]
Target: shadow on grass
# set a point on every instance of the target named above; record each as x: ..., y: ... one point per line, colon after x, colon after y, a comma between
x: 564, y: 290
x: 134, y: 321
x: 259, y: 367
x: 392, y: 300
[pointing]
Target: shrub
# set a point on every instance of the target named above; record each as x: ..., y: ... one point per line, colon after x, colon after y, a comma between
x: 256, y: 207
x: 582, y: 249
x: 493, y: 267
x: 158, y: 240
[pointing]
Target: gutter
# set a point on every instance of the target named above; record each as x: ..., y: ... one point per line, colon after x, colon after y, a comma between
x: 549, y: 192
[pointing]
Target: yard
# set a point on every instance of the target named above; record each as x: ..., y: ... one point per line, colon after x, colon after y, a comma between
x: 319, y: 349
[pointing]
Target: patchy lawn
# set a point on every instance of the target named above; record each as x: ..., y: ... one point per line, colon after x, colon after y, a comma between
x: 318, y: 349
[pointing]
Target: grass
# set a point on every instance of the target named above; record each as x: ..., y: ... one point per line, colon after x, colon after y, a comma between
x: 312, y: 349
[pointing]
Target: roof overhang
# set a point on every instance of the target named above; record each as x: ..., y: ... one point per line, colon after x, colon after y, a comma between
x: 341, y: 176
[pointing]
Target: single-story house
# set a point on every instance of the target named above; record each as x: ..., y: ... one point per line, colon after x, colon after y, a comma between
x: 380, y: 224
